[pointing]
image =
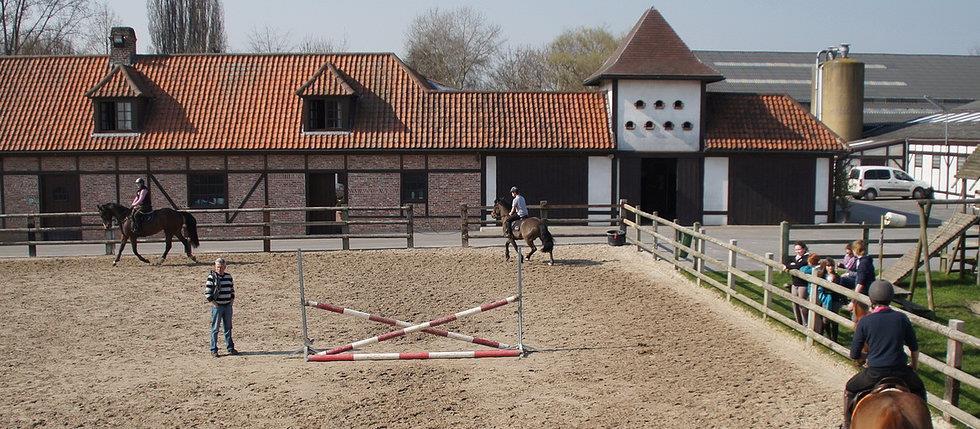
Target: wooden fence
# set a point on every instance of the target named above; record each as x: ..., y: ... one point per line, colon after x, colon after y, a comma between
x: 399, y: 216
x: 596, y: 215
x: 666, y: 240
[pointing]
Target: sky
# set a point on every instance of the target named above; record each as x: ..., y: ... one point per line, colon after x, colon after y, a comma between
x: 881, y: 26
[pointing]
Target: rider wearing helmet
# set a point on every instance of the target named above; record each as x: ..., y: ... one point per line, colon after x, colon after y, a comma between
x: 142, y: 205
x: 518, y: 209
x: 885, y: 331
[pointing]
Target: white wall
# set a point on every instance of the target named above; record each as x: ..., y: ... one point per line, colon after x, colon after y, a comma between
x: 600, y: 182
x: 821, y: 188
x: 715, y: 190
x: 658, y: 140
x: 942, y: 179
x: 491, y: 181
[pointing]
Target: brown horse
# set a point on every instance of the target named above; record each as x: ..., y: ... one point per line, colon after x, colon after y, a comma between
x: 891, y: 405
x: 168, y: 220
x: 530, y: 229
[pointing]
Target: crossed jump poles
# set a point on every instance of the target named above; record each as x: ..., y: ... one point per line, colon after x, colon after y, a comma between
x: 342, y: 353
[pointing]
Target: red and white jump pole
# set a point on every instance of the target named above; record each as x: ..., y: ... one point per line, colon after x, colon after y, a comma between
x: 400, y: 323
x: 416, y: 355
x: 414, y: 328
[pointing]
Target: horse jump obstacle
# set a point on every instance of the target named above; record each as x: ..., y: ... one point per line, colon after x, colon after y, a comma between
x: 337, y: 354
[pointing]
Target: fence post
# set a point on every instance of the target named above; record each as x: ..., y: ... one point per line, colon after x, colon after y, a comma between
x: 698, y: 246
x: 267, y: 229
x: 732, y: 260
x: 784, y: 228
x: 677, y: 250
x: 865, y: 233
x: 656, y: 241
x: 410, y: 227
x: 544, y: 211
x: 637, y: 219
x: 811, y: 315
x: 464, y: 229
x: 954, y: 358
x: 622, y: 214
x: 110, y: 248
x: 766, y: 295
x: 32, y: 222
x: 345, y: 218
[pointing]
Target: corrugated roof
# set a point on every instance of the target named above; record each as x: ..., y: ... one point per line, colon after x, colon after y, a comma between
x: 652, y: 50
x: 961, y: 123
x: 249, y: 102
x: 894, y: 83
x: 764, y: 122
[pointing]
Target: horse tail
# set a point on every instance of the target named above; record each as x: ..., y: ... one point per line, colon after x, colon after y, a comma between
x: 547, y: 241
x: 191, y: 228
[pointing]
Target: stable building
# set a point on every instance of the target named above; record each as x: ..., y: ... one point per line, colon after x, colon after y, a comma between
x: 364, y: 129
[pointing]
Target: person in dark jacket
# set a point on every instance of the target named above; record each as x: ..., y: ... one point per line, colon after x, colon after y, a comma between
x: 864, y: 272
x: 799, y: 287
x: 886, y: 332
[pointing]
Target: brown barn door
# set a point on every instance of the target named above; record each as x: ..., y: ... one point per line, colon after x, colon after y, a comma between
x: 321, y: 191
x: 766, y: 190
x: 60, y: 194
x: 557, y: 180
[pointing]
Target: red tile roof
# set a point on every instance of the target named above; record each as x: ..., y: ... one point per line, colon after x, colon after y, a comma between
x: 249, y: 102
x: 764, y: 122
x: 326, y: 81
x: 652, y: 50
x: 121, y: 81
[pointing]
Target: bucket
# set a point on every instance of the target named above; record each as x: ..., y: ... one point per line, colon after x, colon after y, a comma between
x: 616, y: 237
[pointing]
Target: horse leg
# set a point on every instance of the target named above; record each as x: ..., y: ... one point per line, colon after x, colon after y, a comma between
x: 136, y: 252
x: 551, y: 255
x: 122, y: 245
x: 166, y: 248
x: 187, y: 246
x: 516, y: 249
x: 507, y: 249
x: 530, y: 243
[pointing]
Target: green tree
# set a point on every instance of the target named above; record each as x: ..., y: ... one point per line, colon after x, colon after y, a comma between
x: 577, y: 53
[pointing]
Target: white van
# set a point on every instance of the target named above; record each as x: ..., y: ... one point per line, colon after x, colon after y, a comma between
x: 870, y: 182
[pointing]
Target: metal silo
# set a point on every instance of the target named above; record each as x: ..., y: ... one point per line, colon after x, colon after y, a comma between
x: 838, y: 93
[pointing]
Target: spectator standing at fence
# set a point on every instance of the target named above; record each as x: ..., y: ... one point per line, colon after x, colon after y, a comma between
x: 797, y: 262
x: 219, y: 289
x: 849, y: 261
x: 828, y: 299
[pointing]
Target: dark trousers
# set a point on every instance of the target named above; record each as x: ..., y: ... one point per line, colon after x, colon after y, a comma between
x: 869, y: 377
x: 510, y: 222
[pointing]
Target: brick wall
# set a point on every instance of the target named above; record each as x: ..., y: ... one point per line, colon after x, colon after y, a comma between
x: 21, y: 194
x: 238, y: 186
x: 134, y: 163
x: 97, y: 163
x: 374, y: 190
x: 246, y: 162
x: 287, y: 190
x: 374, y: 162
x: 204, y: 162
x: 326, y: 162
x: 168, y: 163
x: 58, y: 163
x: 286, y: 162
x: 437, y: 162
x: 413, y: 162
x: 21, y: 163
x: 95, y: 189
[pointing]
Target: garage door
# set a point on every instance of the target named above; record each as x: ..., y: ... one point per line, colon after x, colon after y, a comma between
x: 555, y: 179
x: 766, y: 190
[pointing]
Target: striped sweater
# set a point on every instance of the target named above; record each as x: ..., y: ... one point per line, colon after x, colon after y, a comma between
x: 225, y: 288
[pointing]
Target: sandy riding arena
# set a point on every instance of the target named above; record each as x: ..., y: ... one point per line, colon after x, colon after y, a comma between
x: 624, y: 342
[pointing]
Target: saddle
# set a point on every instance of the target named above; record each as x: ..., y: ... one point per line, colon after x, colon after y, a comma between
x: 515, y: 228
x: 884, y: 385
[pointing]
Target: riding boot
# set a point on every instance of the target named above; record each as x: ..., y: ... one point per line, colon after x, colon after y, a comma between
x: 848, y: 403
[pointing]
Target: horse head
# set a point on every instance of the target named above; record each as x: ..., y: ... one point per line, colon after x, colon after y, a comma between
x: 500, y: 208
x: 111, y: 211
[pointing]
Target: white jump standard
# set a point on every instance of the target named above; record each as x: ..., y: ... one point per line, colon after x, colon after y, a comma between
x: 341, y: 353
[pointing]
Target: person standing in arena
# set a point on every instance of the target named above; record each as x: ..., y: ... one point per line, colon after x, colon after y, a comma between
x: 219, y: 290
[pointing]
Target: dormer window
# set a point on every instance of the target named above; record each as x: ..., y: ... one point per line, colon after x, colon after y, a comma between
x: 327, y: 114
x: 114, y: 116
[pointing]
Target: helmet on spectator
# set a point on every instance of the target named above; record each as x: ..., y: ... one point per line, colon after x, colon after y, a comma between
x: 881, y: 291
x: 514, y: 190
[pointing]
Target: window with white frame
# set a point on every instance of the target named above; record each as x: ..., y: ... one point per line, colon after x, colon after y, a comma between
x: 937, y: 161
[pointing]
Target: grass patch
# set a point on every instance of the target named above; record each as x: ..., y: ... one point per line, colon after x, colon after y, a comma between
x: 952, y: 297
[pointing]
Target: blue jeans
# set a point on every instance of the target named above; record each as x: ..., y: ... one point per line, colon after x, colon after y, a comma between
x: 221, y: 314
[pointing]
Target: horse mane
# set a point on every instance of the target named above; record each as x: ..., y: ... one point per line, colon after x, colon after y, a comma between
x: 502, y: 201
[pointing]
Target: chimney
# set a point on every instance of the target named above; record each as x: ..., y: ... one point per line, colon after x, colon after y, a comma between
x: 122, y: 46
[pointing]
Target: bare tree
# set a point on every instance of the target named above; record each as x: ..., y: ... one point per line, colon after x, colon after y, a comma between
x: 186, y: 26
x: 39, y: 27
x: 577, y: 53
x: 95, y: 37
x: 521, y: 69
x: 270, y: 39
x: 455, y: 47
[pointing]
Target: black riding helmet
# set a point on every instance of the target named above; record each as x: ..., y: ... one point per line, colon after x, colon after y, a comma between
x: 514, y: 190
x: 881, y: 291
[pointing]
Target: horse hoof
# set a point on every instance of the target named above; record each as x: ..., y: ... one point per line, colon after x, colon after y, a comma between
x: 551, y: 264
x: 114, y: 264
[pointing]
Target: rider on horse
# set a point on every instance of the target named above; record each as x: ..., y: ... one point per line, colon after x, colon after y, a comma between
x: 518, y: 209
x: 142, y: 205
x: 885, y: 331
